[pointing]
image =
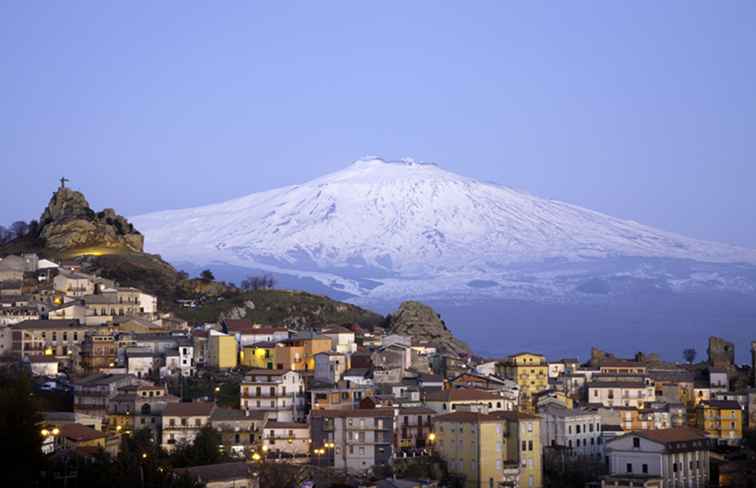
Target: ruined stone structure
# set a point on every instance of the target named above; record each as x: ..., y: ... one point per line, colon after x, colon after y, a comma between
x: 721, y: 353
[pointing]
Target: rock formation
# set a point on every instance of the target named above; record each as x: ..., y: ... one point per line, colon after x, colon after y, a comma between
x: 424, y: 325
x: 69, y: 223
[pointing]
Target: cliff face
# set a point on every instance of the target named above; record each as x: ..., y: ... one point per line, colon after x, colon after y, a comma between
x: 68, y: 223
x: 423, y: 324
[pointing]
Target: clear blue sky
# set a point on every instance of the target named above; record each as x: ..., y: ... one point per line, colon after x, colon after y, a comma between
x: 644, y: 110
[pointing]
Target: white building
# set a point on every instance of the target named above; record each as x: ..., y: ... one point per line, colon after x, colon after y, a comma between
x: 278, y: 393
x: 621, y: 393
x: 578, y: 430
x: 74, y: 284
x: 343, y: 339
x: 330, y: 366
x: 286, y: 437
x: 183, y: 421
x: 679, y: 456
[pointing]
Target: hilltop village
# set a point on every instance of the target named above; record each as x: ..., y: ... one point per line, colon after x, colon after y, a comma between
x: 161, y: 389
x: 362, y: 402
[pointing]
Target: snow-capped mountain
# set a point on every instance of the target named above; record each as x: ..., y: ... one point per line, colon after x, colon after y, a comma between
x: 388, y: 230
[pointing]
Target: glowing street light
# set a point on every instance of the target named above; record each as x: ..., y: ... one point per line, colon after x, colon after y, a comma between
x: 256, y: 457
x: 144, y: 455
x: 265, y: 448
x: 432, y: 437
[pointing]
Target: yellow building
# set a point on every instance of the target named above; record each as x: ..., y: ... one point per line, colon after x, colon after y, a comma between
x: 222, y: 352
x: 721, y: 420
x: 491, y: 449
x: 259, y: 356
x: 530, y: 371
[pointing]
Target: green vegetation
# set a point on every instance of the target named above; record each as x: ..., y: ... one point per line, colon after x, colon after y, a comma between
x: 284, y: 307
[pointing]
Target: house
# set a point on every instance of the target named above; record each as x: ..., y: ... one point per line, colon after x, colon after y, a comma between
x: 93, y: 393
x: 278, y: 393
x: 139, y: 406
x: 343, y: 339
x: 262, y: 355
x: 222, y: 352
x: 143, y: 363
x: 43, y: 365
x: 74, y: 284
x: 413, y: 427
x: 330, y: 366
x: 677, y: 457
x: 722, y: 420
x: 447, y: 401
x: 286, y: 439
x: 577, y: 430
x: 343, y: 395
x: 621, y: 393
x: 183, y: 421
x: 240, y: 430
x: 77, y: 436
x: 98, y: 350
x: 60, y: 338
x: 222, y: 475
x: 718, y: 379
x: 529, y: 370
x: 248, y: 334
x: 358, y: 376
x: 361, y: 438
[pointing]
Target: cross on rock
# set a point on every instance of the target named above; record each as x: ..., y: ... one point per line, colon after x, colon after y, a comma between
x: 63, y: 182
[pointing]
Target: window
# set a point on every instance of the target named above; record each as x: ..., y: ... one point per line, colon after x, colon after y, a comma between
x: 636, y: 442
x: 644, y: 468
x: 674, y: 467
x: 524, y: 446
x: 530, y: 445
x: 577, y: 429
x: 629, y: 467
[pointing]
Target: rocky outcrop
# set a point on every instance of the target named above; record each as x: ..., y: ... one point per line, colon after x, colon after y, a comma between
x: 69, y: 223
x: 424, y: 325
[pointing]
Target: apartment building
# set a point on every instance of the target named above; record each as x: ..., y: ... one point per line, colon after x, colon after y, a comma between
x: 240, y: 430
x: 139, y: 406
x: 678, y: 457
x: 578, y: 430
x: 621, y: 393
x: 92, y: 394
x: 183, y: 421
x: 722, y: 420
x: 59, y: 338
x: 278, y: 393
x: 529, y: 370
x: 447, y: 401
x: 342, y: 395
x: 413, y: 426
x: 362, y: 438
x: 222, y: 352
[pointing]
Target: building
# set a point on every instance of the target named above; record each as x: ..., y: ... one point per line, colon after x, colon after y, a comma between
x: 621, y: 393
x: 286, y: 439
x: 43, y: 366
x: 222, y: 351
x: 413, y: 426
x: 278, y: 393
x: 578, y: 430
x: 343, y: 395
x: 138, y: 406
x: 530, y: 371
x: 248, y: 334
x: 330, y: 366
x: 362, y: 438
x: 679, y: 457
x: 59, y: 338
x: 222, y: 475
x: 343, y: 339
x: 73, y: 284
x: 491, y: 449
x: 92, y: 394
x: 721, y: 420
x: 183, y: 421
x: 721, y: 353
x: 240, y: 431
x: 446, y: 401
x: 98, y: 350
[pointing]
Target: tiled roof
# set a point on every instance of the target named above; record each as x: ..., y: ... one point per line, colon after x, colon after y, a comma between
x: 50, y: 324
x: 366, y: 412
x: 726, y: 404
x: 667, y: 436
x: 460, y: 395
x: 466, y: 417
x: 80, y: 433
x: 193, y: 409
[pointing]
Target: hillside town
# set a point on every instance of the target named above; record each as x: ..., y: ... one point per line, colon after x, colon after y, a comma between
x: 364, y: 406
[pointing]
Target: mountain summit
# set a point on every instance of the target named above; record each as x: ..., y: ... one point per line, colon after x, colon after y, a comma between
x: 384, y: 229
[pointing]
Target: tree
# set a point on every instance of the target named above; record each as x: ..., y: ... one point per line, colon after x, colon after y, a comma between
x: 252, y: 283
x: 689, y: 355
x: 20, y: 426
x: 19, y: 228
x: 205, y: 449
x: 182, y: 275
x: 5, y: 235
x: 207, y: 275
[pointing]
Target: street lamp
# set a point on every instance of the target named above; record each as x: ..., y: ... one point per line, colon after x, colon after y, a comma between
x: 256, y: 457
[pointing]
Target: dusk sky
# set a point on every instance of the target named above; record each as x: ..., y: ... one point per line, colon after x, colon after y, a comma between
x: 643, y: 110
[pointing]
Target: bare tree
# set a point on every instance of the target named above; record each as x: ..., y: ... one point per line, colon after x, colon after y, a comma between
x: 5, y: 235
x: 689, y: 355
x: 19, y: 228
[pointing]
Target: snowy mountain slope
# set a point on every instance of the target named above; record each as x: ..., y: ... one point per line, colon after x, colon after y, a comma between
x: 382, y: 228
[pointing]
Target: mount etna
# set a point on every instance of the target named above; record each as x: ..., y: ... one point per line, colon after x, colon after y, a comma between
x: 507, y: 270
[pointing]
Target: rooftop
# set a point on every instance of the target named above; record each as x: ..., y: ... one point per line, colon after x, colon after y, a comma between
x: 193, y: 409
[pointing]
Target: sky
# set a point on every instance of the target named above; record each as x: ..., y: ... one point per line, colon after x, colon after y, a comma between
x: 643, y: 110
